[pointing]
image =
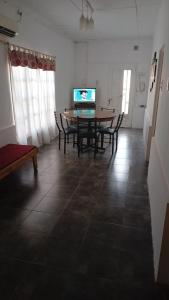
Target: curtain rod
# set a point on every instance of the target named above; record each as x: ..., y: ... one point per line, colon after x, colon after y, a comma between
x: 34, y: 51
x: 13, y: 45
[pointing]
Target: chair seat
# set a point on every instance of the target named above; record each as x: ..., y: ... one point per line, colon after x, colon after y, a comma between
x: 70, y: 130
x: 83, y: 126
x: 88, y: 134
x: 100, y: 127
x: 72, y: 127
x: 107, y: 130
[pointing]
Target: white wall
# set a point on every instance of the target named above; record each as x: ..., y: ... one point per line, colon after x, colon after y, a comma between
x: 34, y: 35
x: 158, y: 177
x: 95, y: 61
x: 7, y: 130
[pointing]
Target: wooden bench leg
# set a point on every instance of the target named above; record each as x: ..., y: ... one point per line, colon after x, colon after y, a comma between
x: 35, y: 164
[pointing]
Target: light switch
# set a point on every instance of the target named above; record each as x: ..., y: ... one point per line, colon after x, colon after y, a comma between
x: 168, y: 84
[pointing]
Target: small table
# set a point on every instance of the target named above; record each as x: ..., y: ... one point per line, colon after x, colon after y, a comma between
x: 89, y: 115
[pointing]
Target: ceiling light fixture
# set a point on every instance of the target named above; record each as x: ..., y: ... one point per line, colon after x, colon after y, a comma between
x: 85, y: 21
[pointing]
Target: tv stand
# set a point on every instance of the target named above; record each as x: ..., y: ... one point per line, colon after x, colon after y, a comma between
x: 85, y: 105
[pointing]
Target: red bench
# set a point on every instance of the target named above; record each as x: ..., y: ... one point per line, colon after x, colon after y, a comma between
x: 13, y: 156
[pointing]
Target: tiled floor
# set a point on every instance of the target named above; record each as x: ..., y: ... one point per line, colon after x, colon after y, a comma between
x: 81, y: 229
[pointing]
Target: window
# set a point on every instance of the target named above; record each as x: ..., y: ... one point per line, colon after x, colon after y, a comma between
x: 33, y: 91
x: 34, y: 104
x: 126, y: 91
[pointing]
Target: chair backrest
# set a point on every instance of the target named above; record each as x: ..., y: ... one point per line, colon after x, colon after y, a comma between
x: 108, y: 108
x: 56, y: 121
x: 66, y: 119
x: 82, y: 123
x: 113, y: 112
x: 119, y: 121
x: 61, y: 122
x: 90, y: 126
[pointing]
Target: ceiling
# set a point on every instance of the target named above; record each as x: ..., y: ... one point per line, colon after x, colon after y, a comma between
x: 113, y: 18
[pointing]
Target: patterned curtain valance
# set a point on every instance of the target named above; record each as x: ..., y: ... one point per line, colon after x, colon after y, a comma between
x: 19, y: 56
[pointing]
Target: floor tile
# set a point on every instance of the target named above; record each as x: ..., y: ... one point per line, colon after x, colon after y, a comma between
x: 81, y: 228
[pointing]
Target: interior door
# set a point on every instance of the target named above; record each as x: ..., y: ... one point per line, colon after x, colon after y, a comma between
x: 111, y: 88
x: 158, y: 88
x: 122, y: 88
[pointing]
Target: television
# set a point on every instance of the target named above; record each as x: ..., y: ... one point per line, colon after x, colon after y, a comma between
x: 84, y: 95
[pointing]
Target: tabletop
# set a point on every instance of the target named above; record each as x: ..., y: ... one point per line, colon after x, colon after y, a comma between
x: 89, y: 114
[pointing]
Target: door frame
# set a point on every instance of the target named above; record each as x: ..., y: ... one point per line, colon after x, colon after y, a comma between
x: 158, y: 88
x: 129, y: 117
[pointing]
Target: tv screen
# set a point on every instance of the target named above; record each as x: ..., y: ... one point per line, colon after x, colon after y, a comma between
x: 81, y: 95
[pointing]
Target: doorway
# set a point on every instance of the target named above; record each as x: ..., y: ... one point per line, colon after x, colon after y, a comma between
x: 115, y: 87
x: 122, y: 93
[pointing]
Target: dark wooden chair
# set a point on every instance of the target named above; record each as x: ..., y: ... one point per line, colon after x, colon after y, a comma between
x: 113, y: 132
x: 113, y: 112
x: 67, y: 131
x: 58, y: 127
x: 87, y: 130
x: 70, y: 124
x: 67, y: 122
x: 111, y: 123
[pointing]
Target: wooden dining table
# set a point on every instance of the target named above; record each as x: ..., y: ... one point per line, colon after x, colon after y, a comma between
x: 89, y: 115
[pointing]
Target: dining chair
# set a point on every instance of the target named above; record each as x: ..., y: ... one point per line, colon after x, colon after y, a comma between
x: 109, y: 109
x: 88, y: 132
x: 58, y: 127
x: 113, y: 110
x: 67, y: 132
x: 70, y: 124
x: 67, y: 122
x: 112, y: 131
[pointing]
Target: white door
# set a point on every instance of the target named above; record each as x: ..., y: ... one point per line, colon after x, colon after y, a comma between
x: 122, y: 88
x: 115, y: 87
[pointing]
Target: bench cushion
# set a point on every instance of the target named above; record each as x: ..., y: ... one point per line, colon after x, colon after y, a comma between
x: 12, y: 152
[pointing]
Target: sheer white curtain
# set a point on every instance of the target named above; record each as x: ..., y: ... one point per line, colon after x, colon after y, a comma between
x: 34, y: 104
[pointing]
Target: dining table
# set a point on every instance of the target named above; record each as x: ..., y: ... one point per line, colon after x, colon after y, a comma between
x: 89, y: 115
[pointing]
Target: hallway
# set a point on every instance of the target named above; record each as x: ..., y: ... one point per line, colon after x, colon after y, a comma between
x: 81, y: 229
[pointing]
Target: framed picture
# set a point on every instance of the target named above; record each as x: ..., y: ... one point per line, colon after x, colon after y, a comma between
x: 153, y: 71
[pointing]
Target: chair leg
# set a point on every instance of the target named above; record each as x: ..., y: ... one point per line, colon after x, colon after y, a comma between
x: 35, y: 164
x: 78, y: 146
x: 112, y: 144
x: 102, y: 140
x: 73, y: 140
x: 116, y: 139
x: 95, y: 148
x: 64, y: 144
x: 59, y: 140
